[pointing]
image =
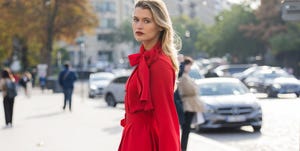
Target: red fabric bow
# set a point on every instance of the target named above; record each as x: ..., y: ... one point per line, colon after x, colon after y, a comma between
x: 143, y: 60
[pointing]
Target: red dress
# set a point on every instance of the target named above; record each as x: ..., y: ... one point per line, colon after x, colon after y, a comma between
x: 151, y: 122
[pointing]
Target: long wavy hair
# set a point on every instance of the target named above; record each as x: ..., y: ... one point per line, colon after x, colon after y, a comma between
x: 170, y: 41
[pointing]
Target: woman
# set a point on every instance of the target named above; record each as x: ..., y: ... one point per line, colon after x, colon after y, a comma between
x: 151, y: 122
x: 191, y: 104
x: 8, y: 102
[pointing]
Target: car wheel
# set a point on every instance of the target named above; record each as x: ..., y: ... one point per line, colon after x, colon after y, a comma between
x: 256, y: 128
x: 110, y: 100
x: 271, y: 94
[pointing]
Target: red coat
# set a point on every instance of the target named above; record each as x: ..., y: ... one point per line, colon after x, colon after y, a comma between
x: 151, y: 122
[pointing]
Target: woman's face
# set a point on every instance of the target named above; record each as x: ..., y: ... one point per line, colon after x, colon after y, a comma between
x: 145, y: 30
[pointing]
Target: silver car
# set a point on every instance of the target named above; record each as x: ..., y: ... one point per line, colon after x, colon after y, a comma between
x: 228, y: 103
x: 114, y: 93
x: 97, y: 82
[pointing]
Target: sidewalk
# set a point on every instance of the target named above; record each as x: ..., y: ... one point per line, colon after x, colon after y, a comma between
x: 40, y: 124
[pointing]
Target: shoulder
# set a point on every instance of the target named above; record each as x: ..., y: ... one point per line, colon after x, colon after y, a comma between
x: 163, y: 61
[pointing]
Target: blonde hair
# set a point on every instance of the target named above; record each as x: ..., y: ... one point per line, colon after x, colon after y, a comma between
x: 170, y: 41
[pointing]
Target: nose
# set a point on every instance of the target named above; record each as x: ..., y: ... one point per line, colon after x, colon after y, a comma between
x: 139, y: 25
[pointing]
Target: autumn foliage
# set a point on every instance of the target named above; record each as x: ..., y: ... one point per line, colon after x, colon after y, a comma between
x: 32, y: 26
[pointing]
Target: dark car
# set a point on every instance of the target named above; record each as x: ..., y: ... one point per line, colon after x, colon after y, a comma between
x: 273, y: 81
x: 248, y: 72
x: 228, y: 103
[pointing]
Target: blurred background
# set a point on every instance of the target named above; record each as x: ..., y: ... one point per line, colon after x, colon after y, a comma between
x: 96, y: 35
x: 253, y: 43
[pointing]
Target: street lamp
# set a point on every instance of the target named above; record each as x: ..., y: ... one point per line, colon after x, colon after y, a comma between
x: 81, y: 43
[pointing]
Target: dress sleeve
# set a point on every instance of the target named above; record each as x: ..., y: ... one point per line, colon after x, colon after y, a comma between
x: 165, y: 116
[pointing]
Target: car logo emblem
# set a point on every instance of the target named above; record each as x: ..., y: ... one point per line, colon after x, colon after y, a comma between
x: 235, y: 111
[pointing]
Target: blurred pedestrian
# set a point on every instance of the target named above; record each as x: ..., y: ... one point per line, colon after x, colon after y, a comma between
x: 8, y: 87
x: 151, y: 122
x: 188, y: 91
x: 42, y: 82
x: 177, y: 97
x: 24, y: 82
x: 33, y: 76
x: 66, y: 81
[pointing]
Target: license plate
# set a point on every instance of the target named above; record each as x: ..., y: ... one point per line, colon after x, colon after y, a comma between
x: 237, y: 118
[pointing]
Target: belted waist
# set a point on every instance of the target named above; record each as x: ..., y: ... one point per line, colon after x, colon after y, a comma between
x: 143, y: 117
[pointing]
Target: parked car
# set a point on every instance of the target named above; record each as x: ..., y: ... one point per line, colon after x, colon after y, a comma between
x: 97, y: 82
x: 273, y: 81
x: 114, y: 93
x: 228, y: 103
x: 195, y: 72
x: 229, y: 69
x: 248, y: 72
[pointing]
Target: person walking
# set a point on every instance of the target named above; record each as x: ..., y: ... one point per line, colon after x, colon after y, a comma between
x: 188, y: 91
x: 8, y: 87
x: 151, y: 122
x: 24, y: 80
x: 66, y: 80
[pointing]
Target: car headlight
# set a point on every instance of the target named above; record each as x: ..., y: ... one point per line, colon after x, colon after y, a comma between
x: 209, y: 109
x: 93, y: 87
x: 276, y: 86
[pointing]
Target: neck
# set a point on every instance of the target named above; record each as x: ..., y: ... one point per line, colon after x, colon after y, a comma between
x: 149, y: 44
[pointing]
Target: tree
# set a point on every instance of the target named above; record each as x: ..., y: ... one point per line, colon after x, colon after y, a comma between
x: 188, y: 30
x: 269, y: 23
x: 286, y: 47
x: 42, y: 22
x: 226, y: 38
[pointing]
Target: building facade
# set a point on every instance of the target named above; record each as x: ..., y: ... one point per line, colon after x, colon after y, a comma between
x: 97, y: 50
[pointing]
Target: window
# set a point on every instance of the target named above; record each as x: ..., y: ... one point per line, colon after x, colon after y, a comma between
x: 106, y: 6
x: 121, y: 80
x: 108, y: 23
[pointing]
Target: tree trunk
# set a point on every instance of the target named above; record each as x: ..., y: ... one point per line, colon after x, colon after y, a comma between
x: 48, y: 47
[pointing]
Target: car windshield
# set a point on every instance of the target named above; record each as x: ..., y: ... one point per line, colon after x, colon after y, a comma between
x: 195, y: 73
x: 273, y: 75
x: 213, y: 89
x: 101, y: 78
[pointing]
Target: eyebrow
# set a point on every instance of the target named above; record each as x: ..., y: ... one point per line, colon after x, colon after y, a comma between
x: 143, y: 18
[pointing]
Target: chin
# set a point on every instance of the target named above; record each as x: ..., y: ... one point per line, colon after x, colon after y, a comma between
x: 138, y: 39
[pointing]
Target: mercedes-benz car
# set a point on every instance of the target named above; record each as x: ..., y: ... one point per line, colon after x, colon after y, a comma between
x: 273, y: 81
x: 228, y: 103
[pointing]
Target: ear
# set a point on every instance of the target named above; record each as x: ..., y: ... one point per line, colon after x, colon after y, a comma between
x: 161, y: 29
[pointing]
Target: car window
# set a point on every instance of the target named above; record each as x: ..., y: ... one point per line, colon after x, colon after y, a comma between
x: 101, y: 78
x: 121, y: 80
x: 211, y: 89
x: 195, y: 73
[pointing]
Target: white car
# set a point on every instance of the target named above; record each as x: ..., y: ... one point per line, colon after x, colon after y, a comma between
x: 228, y: 103
x: 115, y: 91
x: 97, y: 83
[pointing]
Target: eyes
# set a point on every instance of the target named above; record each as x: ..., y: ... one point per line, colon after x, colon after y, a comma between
x: 144, y: 20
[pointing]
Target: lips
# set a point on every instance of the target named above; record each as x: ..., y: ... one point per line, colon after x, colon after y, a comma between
x: 139, y: 33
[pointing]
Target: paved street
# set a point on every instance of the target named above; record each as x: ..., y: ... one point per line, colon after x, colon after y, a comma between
x: 40, y: 124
